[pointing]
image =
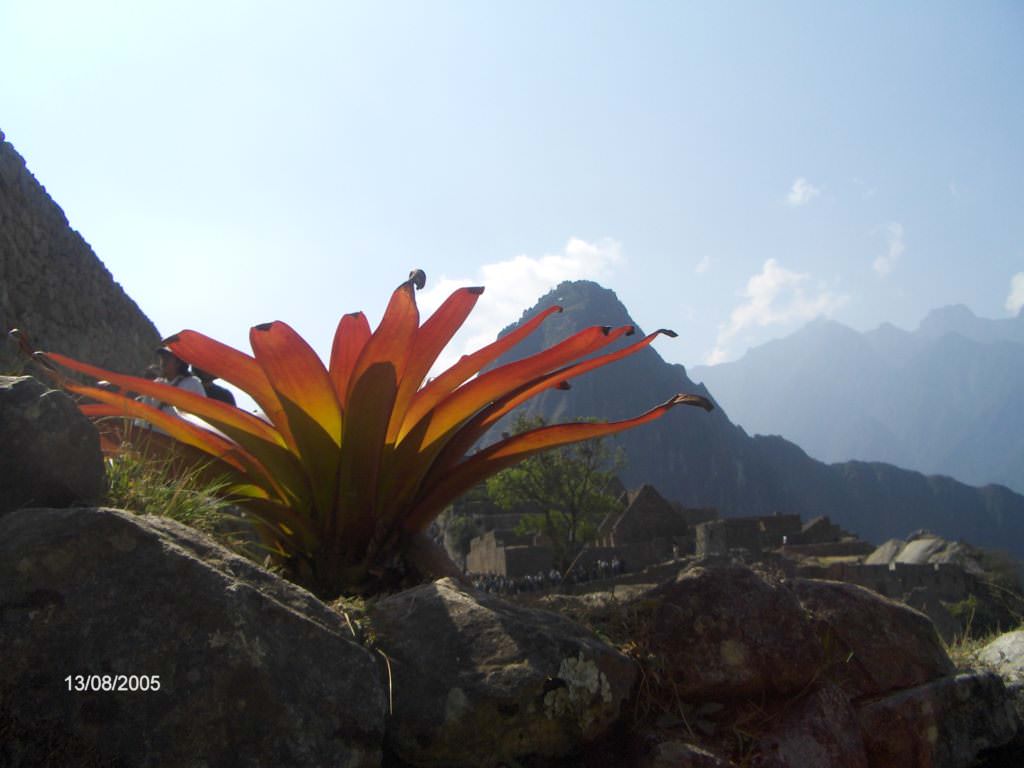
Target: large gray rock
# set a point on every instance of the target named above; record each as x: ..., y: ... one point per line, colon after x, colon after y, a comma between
x: 929, y: 602
x: 885, y: 553
x: 874, y: 644
x: 1005, y: 655
x: 724, y: 632
x: 927, y: 548
x: 820, y: 730
x: 946, y: 723
x: 480, y: 682
x: 49, y: 452
x: 252, y: 671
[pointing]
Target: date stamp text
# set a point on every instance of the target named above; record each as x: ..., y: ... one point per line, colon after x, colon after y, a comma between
x: 116, y: 683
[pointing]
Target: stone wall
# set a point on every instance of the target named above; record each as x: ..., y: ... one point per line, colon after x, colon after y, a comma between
x: 948, y: 581
x: 54, y: 287
x: 717, y: 538
x: 849, y: 547
x: 483, y: 555
x: 526, y: 560
x: 647, y: 516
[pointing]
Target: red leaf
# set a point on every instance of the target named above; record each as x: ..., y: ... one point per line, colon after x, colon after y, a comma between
x: 466, y: 401
x: 310, y: 406
x: 235, y: 367
x: 431, y: 339
x: 468, y: 366
x: 448, y: 486
x: 371, y: 397
x: 349, y: 340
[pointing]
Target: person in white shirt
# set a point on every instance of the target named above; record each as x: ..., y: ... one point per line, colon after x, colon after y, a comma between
x: 176, y: 372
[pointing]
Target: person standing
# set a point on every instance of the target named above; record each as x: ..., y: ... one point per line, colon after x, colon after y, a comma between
x: 214, y: 391
x: 174, y: 371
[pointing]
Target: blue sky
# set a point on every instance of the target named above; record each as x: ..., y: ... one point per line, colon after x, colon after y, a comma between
x: 731, y: 170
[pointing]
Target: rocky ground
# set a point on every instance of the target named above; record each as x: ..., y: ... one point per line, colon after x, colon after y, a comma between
x: 717, y: 665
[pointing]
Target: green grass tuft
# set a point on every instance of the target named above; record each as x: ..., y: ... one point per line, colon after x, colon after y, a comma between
x: 152, y: 486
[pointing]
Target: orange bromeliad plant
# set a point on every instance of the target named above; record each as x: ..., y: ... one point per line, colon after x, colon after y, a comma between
x: 356, y: 458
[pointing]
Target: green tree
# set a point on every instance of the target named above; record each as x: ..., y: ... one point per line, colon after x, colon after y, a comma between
x: 564, y: 494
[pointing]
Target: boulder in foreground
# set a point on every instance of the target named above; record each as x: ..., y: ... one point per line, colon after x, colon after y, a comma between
x: 480, y: 682
x: 49, y: 452
x: 252, y: 671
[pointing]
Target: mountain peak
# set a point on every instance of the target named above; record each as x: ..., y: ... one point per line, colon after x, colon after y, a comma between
x: 584, y: 303
x: 702, y: 459
x: 947, y: 318
x: 960, y: 320
x: 585, y: 292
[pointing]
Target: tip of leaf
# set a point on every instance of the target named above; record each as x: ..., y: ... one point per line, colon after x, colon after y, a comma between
x: 476, y: 289
x: 263, y: 327
x: 606, y: 329
x: 668, y: 332
x: 172, y: 339
x: 563, y: 385
x: 695, y: 400
x: 418, y: 278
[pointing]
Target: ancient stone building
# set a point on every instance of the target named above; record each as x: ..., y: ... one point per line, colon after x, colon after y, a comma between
x: 54, y: 287
x: 753, y: 535
x: 820, y: 530
x: 507, y: 553
x: 648, y: 530
x: 647, y: 515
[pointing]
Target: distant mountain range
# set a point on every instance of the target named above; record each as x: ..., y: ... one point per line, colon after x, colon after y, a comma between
x: 945, y: 399
x: 703, y: 459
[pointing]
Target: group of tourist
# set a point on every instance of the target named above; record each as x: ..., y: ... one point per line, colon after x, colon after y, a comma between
x: 546, y: 580
x: 171, y: 369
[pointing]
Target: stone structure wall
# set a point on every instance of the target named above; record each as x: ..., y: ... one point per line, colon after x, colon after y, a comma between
x: 506, y: 553
x: 753, y: 534
x: 54, y: 287
x: 775, y: 527
x: 949, y: 581
x: 846, y: 548
x: 647, y: 516
x: 526, y: 560
x: 718, y: 537
x: 820, y: 530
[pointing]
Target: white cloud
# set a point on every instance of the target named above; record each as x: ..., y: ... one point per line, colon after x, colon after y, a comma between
x: 1016, y: 298
x: 895, y: 247
x: 703, y: 265
x: 775, y: 296
x: 802, y: 192
x: 514, y: 285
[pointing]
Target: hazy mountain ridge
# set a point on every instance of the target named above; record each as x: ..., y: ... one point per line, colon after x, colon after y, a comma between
x: 941, y: 399
x: 703, y: 459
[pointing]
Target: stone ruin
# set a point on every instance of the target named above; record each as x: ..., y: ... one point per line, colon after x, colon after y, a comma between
x: 651, y: 533
x: 650, y: 529
x: 819, y: 537
x: 53, y: 287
